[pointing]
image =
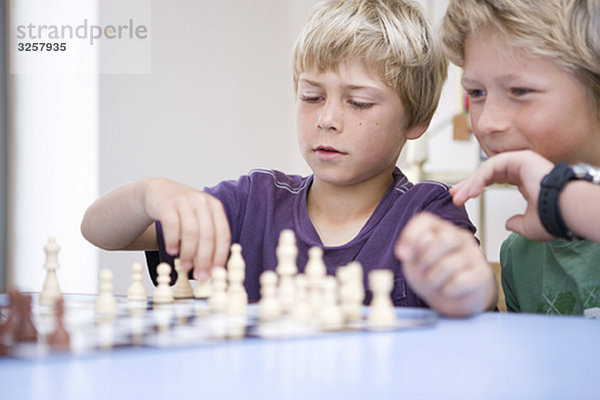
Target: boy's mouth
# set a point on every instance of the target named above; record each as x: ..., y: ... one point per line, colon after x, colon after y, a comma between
x: 327, y: 153
x: 327, y: 149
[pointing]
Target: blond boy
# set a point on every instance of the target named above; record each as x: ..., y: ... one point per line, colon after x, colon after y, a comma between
x: 368, y: 75
x: 532, y: 72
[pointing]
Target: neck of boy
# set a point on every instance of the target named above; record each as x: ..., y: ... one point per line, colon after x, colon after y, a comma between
x: 338, y: 213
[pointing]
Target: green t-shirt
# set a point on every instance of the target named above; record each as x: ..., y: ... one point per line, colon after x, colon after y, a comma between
x: 559, y: 277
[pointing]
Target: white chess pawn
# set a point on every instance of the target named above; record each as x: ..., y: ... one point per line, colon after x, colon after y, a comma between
x: 203, y: 289
x: 237, y: 298
x: 268, y: 306
x: 287, y: 253
x: 352, y: 292
x: 331, y: 317
x: 315, y: 272
x: 106, y: 302
x: 162, y: 293
x: 183, y: 288
x: 218, y: 300
x: 137, y: 291
x: 381, y: 314
x: 50, y: 289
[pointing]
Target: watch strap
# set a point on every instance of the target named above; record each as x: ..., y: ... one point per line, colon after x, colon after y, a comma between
x: 548, y: 208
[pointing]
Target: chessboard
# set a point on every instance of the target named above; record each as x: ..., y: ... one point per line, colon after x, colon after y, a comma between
x: 291, y: 305
x: 188, y: 322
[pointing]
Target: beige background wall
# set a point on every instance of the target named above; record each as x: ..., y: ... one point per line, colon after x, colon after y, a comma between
x: 217, y: 103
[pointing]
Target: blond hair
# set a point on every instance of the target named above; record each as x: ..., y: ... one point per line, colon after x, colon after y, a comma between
x: 392, y: 38
x: 565, y: 31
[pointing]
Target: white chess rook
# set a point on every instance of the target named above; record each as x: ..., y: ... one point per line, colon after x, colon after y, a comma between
x: 381, y: 314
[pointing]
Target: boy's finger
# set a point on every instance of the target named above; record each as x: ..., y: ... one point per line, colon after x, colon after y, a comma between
x: 222, y: 235
x: 189, y: 235
x: 170, y: 228
x: 443, y: 271
x: 205, y: 246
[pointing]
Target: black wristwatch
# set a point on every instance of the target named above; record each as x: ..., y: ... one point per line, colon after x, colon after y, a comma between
x: 551, y: 186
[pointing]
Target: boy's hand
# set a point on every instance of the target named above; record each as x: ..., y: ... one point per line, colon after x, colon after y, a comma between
x: 525, y: 169
x: 444, y: 264
x: 194, y: 224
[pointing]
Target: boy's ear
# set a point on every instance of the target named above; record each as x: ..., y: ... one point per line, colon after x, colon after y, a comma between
x: 416, y: 131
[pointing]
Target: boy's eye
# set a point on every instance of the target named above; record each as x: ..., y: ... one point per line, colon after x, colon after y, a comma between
x: 360, y: 105
x: 310, y: 99
x: 475, y: 93
x: 520, y: 91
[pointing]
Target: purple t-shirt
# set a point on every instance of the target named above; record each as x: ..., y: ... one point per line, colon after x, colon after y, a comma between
x: 264, y: 202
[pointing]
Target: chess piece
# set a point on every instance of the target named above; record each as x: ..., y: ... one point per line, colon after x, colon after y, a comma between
x: 381, y: 314
x: 287, y: 253
x: 315, y: 272
x: 218, y: 300
x: 352, y: 292
x: 331, y: 317
x: 19, y: 327
x: 137, y: 291
x: 183, y: 288
x: 50, y: 289
x: 162, y: 293
x: 301, y: 312
x: 268, y: 306
x: 203, y: 289
x: 106, y: 304
x: 59, y: 337
x: 237, y: 298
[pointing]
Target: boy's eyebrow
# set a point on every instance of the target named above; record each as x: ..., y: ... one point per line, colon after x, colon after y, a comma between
x: 347, y: 86
x: 503, y: 78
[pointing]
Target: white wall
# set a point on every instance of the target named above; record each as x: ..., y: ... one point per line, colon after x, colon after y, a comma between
x: 53, y: 157
x: 218, y: 102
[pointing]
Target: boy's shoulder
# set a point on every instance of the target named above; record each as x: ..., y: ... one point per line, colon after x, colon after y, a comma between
x: 278, y: 179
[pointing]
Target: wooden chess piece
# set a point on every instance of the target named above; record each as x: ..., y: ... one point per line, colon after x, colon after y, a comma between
x: 60, y: 337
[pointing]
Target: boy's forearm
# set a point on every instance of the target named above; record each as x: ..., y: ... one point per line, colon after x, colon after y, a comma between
x: 578, y: 204
x: 118, y: 219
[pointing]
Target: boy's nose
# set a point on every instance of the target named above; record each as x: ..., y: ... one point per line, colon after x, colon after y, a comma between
x: 331, y: 117
x: 491, y: 118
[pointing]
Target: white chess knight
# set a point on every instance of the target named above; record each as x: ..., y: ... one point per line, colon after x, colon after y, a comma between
x: 137, y: 291
x: 50, y: 290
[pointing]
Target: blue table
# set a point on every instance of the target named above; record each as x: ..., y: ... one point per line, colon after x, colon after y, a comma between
x: 490, y: 356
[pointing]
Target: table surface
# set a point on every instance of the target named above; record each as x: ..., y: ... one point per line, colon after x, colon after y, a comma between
x: 491, y: 355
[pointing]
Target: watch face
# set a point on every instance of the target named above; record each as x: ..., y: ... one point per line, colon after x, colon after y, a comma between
x: 587, y: 172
